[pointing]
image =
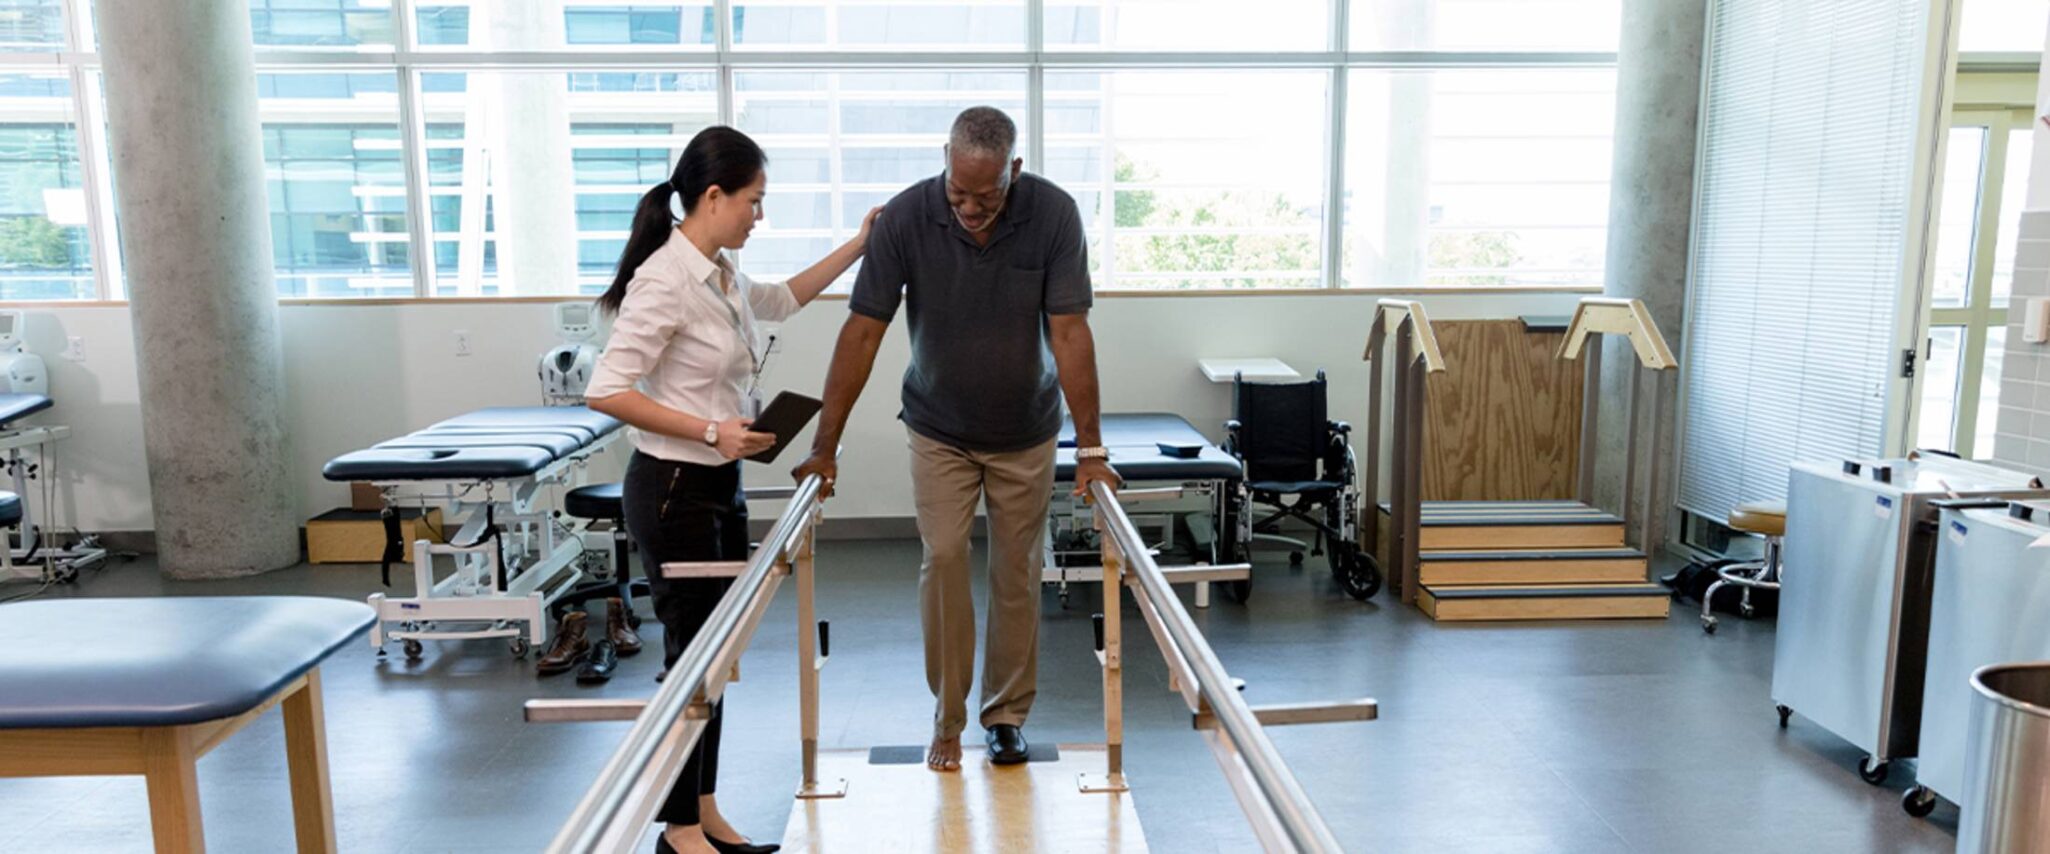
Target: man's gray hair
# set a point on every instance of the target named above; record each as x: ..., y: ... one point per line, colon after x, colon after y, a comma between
x: 984, y: 132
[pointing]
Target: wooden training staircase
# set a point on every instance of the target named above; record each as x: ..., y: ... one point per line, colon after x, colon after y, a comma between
x: 1517, y: 560
x: 1530, y: 560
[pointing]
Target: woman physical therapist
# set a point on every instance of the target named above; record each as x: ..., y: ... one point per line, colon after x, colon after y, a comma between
x: 680, y: 367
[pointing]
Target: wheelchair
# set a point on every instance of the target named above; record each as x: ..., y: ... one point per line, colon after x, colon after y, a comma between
x: 1299, y: 465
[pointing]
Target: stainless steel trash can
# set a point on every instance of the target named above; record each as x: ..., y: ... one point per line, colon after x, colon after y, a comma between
x: 2007, y: 775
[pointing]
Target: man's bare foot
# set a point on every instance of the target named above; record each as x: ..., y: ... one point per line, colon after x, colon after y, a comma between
x: 944, y: 754
x: 688, y: 839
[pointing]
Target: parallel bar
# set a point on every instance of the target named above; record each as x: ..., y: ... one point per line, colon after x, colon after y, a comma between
x: 582, y: 711
x: 704, y: 569
x: 1302, y: 713
x: 1284, y: 799
x: 613, y: 815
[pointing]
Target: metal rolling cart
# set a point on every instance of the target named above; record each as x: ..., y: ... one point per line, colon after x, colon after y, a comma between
x: 1854, y: 601
x: 1991, y: 586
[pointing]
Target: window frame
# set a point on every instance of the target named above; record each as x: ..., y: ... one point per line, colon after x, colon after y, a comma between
x: 409, y: 61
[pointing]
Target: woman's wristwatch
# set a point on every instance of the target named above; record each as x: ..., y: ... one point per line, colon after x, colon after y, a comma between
x: 1097, y: 453
x: 712, y: 433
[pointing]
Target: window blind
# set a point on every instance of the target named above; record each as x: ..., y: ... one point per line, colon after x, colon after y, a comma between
x: 1813, y: 112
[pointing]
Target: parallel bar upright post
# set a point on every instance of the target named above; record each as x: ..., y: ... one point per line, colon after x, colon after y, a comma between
x: 807, y: 662
x: 1113, y: 657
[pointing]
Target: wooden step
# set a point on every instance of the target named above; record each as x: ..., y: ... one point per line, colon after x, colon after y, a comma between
x: 1478, y: 525
x: 1531, y: 566
x: 1545, y: 602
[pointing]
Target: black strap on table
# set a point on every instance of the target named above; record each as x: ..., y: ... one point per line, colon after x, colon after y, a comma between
x: 394, y: 549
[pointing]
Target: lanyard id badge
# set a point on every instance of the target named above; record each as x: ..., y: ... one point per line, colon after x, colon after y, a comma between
x: 751, y: 398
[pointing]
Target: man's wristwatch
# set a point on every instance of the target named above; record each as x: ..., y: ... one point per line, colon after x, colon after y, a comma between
x: 712, y: 433
x: 1097, y: 453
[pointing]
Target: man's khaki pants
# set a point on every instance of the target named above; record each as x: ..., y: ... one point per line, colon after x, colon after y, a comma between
x: 946, y: 483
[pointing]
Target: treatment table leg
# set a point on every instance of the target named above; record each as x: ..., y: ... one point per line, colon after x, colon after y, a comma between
x: 313, y: 803
x: 169, y: 764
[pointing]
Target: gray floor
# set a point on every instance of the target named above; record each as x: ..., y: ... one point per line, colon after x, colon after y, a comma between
x: 1551, y: 737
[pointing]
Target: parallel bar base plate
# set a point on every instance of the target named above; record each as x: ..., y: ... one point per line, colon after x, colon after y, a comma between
x: 824, y: 790
x: 908, y: 808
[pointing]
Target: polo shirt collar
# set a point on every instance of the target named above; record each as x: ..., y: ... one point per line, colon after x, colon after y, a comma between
x: 1017, y: 210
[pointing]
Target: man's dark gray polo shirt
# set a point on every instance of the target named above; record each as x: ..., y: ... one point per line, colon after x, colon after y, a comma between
x: 982, y: 374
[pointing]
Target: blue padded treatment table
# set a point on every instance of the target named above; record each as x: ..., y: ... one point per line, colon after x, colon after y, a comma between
x: 445, y: 463
x: 500, y: 443
x: 522, y: 418
x: 559, y: 444
x: 1133, y: 439
x: 14, y: 407
x: 146, y: 686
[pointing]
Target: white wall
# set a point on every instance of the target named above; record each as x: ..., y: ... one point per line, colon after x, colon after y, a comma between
x: 361, y: 374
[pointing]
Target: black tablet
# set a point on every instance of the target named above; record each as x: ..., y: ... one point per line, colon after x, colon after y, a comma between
x: 785, y: 416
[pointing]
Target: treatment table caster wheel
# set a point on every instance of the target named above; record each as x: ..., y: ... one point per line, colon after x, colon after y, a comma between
x: 520, y: 646
x: 1786, y: 714
x: 1747, y: 611
x: 412, y: 649
x: 1873, y: 771
x: 1919, y: 801
x: 1708, y: 624
x: 1295, y: 558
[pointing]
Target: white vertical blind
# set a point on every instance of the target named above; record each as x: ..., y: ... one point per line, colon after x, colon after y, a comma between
x: 1814, y: 112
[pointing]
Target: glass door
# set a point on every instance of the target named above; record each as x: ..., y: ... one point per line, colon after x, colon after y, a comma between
x: 1985, y: 173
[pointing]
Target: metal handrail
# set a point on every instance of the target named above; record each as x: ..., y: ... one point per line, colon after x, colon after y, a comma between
x: 650, y: 741
x: 1281, y: 795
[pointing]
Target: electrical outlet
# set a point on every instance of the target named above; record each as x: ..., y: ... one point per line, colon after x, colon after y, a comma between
x: 74, y: 348
x: 462, y: 342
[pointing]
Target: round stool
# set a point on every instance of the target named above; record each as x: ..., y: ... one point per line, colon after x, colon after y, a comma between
x: 1764, y: 519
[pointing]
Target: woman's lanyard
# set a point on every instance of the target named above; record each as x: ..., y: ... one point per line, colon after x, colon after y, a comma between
x: 751, y: 400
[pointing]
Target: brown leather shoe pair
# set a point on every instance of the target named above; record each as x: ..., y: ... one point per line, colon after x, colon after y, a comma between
x: 573, y: 644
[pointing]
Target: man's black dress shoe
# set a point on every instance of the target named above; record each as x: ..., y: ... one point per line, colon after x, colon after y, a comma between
x: 598, y: 663
x: 1006, y: 745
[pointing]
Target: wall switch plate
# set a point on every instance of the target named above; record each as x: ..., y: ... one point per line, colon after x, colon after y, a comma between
x: 74, y: 348
x: 462, y: 342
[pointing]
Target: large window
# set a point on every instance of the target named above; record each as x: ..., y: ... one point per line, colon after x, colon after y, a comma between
x: 1478, y: 178
x: 497, y: 148
x: 44, y: 249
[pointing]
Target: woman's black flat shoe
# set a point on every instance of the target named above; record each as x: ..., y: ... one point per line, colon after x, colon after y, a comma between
x: 662, y: 846
x: 740, y: 847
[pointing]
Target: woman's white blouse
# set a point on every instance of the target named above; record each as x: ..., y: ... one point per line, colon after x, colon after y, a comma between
x: 688, y: 343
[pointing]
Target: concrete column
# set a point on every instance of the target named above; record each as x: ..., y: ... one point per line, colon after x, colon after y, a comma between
x: 530, y: 156
x: 195, y: 233
x: 1651, y: 207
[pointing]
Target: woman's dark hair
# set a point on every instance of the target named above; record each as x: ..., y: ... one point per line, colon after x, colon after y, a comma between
x: 718, y: 156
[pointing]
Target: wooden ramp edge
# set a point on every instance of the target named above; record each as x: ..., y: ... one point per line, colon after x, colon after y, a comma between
x: 1036, y: 806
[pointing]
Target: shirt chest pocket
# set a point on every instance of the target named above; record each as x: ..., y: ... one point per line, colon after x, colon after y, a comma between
x: 1019, y: 287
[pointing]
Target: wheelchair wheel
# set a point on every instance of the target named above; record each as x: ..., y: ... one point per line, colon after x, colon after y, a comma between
x: 1240, y: 591
x: 1355, y: 571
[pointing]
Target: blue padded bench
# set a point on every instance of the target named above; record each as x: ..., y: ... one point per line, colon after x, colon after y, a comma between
x: 147, y: 686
